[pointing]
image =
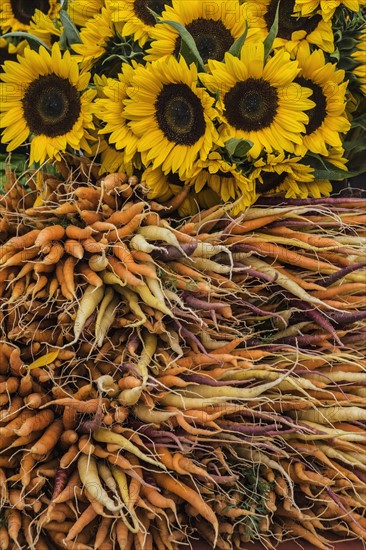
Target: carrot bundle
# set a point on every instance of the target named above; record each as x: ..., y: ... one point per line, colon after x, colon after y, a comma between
x: 161, y: 381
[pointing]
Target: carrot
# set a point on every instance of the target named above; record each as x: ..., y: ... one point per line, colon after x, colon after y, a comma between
x: 103, y: 532
x: 93, y: 246
x: 68, y: 274
x: 20, y: 257
x: 126, y: 230
x: 4, y: 538
x: 49, y: 439
x: 55, y: 254
x: 300, y: 531
x: 89, y: 216
x: 121, y: 251
x: 26, y: 466
x: 83, y: 520
x: 157, y: 499
x: 91, y: 277
x: 74, y: 248
x: 124, y: 216
x: 88, y: 472
x: 189, y: 495
x: 37, y: 422
x: 14, y: 525
x: 90, y: 300
x: 78, y: 233
x: 48, y: 234
x: 70, y: 455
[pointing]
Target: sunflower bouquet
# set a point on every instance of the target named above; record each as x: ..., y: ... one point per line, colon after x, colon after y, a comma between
x: 182, y: 301
x: 233, y: 98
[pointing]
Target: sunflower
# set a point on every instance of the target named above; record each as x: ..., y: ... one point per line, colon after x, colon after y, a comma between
x: 327, y: 119
x: 220, y: 176
x: 327, y: 7
x: 214, y: 28
x: 171, y: 116
x: 10, y: 51
x: 258, y: 99
x: 94, y: 39
x: 293, y: 31
x: 46, y: 29
x: 162, y: 187
x: 359, y: 55
x: 288, y: 176
x: 137, y: 17
x: 110, y: 109
x: 16, y: 15
x: 81, y: 11
x: 42, y: 97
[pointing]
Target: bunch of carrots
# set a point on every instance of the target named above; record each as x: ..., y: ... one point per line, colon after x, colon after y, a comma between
x: 163, y: 380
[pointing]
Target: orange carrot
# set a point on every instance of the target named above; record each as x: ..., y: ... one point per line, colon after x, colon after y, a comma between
x: 24, y: 241
x: 68, y: 273
x: 124, y: 273
x: 74, y: 248
x: 124, y: 216
x: 189, y: 495
x: 91, y: 277
x: 48, y: 234
x: 49, y: 439
x: 37, y: 422
x: 78, y: 233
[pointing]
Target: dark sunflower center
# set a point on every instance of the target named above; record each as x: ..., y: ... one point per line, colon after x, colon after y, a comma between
x: 141, y: 9
x: 51, y: 106
x: 179, y: 113
x: 212, y: 38
x: 287, y: 22
x: 271, y: 180
x: 23, y: 10
x: 318, y: 113
x: 251, y: 104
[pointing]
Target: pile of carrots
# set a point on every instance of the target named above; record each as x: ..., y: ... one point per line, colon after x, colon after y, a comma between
x: 164, y: 381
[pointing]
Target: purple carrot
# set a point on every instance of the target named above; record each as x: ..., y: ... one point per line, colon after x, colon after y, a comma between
x: 191, y: 301
x: 188, y: 334
x: 60, y: 481
x: 169, y: 253
x: 133, y: 342
x: 347, y: 318
x: 245, y: 429
x: 333, y: 201
x: 259, y: 311
x: 318, y: 318
x: 93, y: 424
x: 338, y: 501
x: 340, y: 274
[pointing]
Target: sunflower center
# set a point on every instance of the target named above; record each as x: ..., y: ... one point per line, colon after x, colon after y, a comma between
x: 23, y: 10
x: 51, y: 105
x: 271, y: 180
x: 141, y: 9
x: 251, y: 104
x: 318, y: 113
x: 212, y: 38
x: 287, y: 21
x: 179, y: 113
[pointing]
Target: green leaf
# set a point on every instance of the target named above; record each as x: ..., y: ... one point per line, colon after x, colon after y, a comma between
x: 239, y: 42
x: 188, y: 49
x: 70, y: 33
x: 34, y: 42
x: 268, y: 43
x: 325, y: 170
x: 238, y: 147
